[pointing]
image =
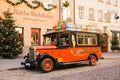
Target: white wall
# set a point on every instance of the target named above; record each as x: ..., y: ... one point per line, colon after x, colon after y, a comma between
x: 94, y: 4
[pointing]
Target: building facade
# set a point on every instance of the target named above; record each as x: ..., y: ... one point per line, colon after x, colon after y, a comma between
x: 103, y: 15
x: 32, y: 18
x: 35, y: 17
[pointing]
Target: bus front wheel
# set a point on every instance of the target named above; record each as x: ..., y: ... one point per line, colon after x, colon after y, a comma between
x: 47, y: 65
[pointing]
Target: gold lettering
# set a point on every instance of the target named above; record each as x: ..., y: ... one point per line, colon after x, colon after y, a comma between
x: 42, y: 15
x: 36, y: 14
x: 21, y: 12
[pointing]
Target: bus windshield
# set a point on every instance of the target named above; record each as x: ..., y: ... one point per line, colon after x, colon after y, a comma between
x: 59, y: 39
x: 50, y: 40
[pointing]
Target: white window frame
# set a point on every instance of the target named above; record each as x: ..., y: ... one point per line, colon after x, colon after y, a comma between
x: 91, y: 14
x: 81, y: 12
x: 100, y: 15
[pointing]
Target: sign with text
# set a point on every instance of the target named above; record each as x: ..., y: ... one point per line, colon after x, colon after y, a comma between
x: 33, y: 15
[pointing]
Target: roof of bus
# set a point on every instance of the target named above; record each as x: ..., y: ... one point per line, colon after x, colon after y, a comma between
x: 53, y: 32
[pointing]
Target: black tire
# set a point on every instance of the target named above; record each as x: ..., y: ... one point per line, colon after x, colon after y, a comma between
x: 28, y: 67
x: 47, y: 65
x: 93, y: 60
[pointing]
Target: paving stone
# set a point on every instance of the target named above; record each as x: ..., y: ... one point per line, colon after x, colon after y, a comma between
x: 106, y: 69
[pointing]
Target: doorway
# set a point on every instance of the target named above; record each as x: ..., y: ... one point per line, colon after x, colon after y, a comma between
x: 104, y: 42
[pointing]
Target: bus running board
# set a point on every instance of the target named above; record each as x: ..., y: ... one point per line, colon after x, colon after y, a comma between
x: 78, y: 62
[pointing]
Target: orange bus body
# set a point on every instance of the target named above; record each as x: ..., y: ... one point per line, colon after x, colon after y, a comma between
x: 70, y: 54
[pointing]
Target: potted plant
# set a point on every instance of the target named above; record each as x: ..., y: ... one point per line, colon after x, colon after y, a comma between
x: 114, y: 43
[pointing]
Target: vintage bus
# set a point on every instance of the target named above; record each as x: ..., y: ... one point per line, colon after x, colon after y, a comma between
x: 64, y: 47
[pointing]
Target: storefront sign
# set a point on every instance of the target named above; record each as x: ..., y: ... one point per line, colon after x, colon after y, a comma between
x: 33, y: 15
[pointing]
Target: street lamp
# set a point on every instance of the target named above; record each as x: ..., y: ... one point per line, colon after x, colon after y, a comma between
x: 116, y: 16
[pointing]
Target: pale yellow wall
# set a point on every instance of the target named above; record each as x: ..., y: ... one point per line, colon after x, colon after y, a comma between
x: 25, y: 18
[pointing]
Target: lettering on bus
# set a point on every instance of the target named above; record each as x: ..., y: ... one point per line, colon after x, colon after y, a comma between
x: 79, y: 51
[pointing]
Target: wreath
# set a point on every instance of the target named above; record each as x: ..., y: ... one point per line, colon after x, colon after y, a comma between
x: 33, y: 7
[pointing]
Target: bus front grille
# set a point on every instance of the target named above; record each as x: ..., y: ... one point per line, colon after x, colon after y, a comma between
x: 32, y: 54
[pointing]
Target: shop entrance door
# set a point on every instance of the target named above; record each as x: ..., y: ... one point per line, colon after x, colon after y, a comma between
x: 104, y: 39
x: 35, y: 36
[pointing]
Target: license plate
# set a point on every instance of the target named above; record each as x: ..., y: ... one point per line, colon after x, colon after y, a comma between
x: 27, y: 64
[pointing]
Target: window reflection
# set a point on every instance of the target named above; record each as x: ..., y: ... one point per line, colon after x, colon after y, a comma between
x: 35, y: 36
x: 20, y: 30
x: 34, y: 39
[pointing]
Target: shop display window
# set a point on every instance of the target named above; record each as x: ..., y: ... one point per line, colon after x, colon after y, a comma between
x: 35, y: 37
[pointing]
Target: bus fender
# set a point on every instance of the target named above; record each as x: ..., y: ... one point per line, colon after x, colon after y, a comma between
x: 45, y: 55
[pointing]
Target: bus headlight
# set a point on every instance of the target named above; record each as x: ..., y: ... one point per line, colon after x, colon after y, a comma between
x: 37, y: 54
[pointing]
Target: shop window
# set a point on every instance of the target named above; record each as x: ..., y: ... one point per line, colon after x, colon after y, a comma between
x: 21, y: 33
x: 35, y: 37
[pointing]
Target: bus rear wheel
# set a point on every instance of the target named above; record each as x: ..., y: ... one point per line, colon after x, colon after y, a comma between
x: 47, y: 65
x: 93, y: 60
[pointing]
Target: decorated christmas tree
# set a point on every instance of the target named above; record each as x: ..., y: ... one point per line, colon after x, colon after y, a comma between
x: 10, y: 44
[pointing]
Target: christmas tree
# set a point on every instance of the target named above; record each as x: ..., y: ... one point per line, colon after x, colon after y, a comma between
x: 10, y: 44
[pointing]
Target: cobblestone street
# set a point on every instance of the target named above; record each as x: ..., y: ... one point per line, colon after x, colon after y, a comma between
x: 110, y: 71
x: 107, y: 69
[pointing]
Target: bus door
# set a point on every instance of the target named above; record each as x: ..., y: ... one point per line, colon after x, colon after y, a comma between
x: 65, y: 50
x: 77, y: 52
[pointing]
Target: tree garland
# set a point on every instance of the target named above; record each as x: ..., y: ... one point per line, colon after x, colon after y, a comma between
x: 66, y: 4
x: 33, y: 7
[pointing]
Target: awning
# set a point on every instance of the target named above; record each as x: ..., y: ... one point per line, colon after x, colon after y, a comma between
x: 115, y: 31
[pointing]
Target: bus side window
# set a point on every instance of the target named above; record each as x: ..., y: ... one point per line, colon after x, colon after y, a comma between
x: 94, y: 40
x: 80, y: 39
x: 86, y: 39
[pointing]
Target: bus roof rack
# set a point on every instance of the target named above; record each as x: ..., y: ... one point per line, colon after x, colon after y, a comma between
x: 70, y: 27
